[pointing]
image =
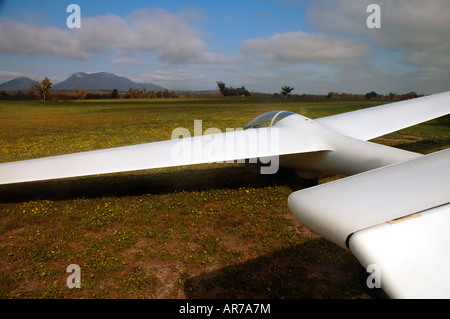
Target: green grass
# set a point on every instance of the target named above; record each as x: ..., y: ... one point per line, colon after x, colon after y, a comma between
x: 203, y: 231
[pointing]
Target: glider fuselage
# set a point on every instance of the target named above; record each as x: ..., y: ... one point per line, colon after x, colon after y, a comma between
x: 343, y: 155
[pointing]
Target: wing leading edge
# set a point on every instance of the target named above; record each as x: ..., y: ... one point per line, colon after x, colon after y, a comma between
x: 263, y: 143
x: 269, y: 142
x: 373, y: 122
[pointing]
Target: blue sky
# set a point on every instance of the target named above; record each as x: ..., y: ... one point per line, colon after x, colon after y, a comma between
x: 315, y: 46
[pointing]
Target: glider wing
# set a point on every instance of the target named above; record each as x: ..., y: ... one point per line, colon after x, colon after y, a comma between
x: 373, y: 122
x: 236, y: 145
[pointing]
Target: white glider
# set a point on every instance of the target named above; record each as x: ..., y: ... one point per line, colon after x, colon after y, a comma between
x: 392, y: 213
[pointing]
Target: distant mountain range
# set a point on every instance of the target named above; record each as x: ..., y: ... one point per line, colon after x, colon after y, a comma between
x: 21, y: 83
x: 84, y: 81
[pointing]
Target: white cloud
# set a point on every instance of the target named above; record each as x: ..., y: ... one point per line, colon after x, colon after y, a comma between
x: 176, y: 79
x: 299, y: 47
x: 418, y: 28
x: 21, y: 38
x: 129, y: 61
x: 217, y: 58
x: 414, y: 31
x: 168, y: 36
x: 9, y: 75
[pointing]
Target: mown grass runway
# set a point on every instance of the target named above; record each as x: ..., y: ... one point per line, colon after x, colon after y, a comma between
x: 206, y: 231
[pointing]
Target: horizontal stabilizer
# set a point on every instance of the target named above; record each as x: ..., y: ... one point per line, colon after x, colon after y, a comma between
x: 411, y: 255
x: 394, y: 219
x: 340, y: 208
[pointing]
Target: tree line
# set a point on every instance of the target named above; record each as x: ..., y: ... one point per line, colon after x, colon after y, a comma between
x: 231, y: 91
x: 373, y: 96
x: 41, y: 90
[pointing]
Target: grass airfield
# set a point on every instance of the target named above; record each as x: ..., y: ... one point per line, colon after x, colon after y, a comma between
x: 204, y: 231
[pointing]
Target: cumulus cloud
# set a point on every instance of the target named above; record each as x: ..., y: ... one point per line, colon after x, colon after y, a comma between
x: 8, y: 75
x: 168, y: 36
x: 418, y: 28
x: 175, y: 79
x: 21, y: 38
x: 299, y: 47
x: 129, y: 61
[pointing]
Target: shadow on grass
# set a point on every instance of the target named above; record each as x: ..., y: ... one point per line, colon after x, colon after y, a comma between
x: 166, y: 181
x: 313, y: 269
x: 428, y: 145
x: 316, y: 269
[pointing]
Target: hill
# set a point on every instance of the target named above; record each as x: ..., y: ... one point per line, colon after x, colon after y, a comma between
x: 101, y: 81
x: 21, y: 83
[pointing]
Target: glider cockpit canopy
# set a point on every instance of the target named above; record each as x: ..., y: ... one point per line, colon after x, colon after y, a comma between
x: 267, y: 119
